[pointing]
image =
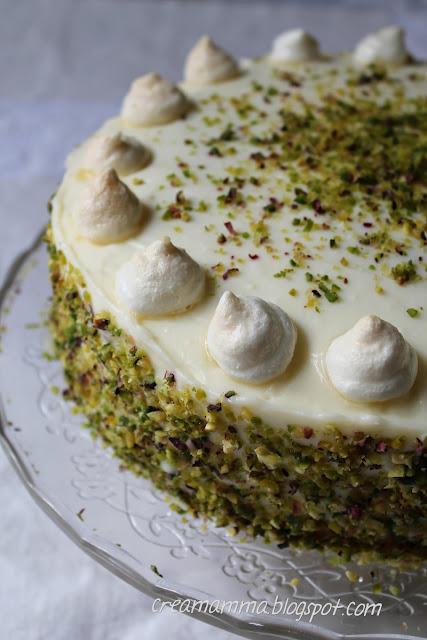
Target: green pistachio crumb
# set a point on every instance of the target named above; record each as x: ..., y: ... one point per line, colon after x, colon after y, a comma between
x: 155, y: 570
x: 404, y: 272
x: 412, y: 312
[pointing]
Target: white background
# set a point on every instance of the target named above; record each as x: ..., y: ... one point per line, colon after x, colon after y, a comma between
x: 64, y: 67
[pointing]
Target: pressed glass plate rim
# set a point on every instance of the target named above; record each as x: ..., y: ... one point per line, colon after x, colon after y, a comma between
x: 118, y: 567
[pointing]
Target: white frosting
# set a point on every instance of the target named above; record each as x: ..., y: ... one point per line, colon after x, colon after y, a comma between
x: 295, y: 46
x: 122, y: 153
x: 153, y: 100
x: 250, y: 339
x: 371, y: 362
x: 110, y: 212
x: 207, y: 64
x: 159, y: 280
x: 386, y: 45
x: 177, y: 342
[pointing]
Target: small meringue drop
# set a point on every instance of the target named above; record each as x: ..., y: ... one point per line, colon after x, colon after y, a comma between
x: 153, y: 100
x: 250, y: 339
x: 208, y: 64
x: 295, y: 46
x: 385, y: 46
x: 111, y: 212
x: 372, y: 362
x: 159, y: 280
x: 118, y: 151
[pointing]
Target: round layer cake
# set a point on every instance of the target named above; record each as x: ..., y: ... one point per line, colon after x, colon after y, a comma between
x: 239, y: 278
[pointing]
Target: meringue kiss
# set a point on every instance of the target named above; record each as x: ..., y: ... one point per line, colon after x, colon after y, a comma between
x: 153, y: 100
x: 122, y: 153
x: 385, y: 46
x: 110, y: 212
x: 250, y: 339
x: 371, y: 362
x: 295, y: 46
x: 161, y: 279
x: 207, y: 64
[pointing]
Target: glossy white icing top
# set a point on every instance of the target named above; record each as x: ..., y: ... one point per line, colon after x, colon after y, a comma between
x: 216, y: 192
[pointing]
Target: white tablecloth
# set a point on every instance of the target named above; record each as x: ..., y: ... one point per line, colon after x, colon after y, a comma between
x: 64, y: 66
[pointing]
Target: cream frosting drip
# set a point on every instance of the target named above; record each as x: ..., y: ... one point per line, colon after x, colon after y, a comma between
x: 160, y: 280
x: 207, y: 63
x: 303, y: 395
x: 153, y: 100
x: 250, y: 339
x: 110, y: 211
x: 371, y: 362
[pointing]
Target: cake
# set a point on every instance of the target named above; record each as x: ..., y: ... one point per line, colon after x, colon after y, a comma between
x: 239, y: 290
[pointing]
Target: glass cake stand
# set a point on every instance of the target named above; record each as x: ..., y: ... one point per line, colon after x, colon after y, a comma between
x: 133, y: 530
